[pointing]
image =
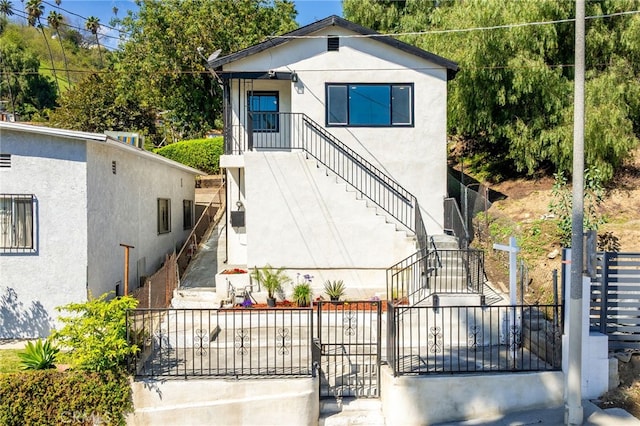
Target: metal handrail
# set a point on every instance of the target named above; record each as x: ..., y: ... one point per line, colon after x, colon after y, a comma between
x: 454, y: 223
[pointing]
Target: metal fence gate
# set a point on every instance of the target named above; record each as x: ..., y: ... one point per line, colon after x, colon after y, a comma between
x: 615, y: 299
x: 347, y: 345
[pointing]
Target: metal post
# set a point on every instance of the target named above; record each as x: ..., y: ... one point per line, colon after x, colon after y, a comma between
x: 573, y: 379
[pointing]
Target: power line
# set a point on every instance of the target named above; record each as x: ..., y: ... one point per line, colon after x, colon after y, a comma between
x: 459, y: 30
x: 83, y: 17
x: 43, y: 22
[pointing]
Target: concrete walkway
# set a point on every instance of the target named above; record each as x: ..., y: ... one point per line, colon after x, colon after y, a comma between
x: 593, y: 416
x: 207, y: 262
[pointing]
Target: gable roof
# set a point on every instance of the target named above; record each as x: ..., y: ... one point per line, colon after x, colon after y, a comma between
x: 452, y: 67
x: 94, y: 138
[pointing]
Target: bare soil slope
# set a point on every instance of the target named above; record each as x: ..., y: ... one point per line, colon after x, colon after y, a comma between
x: 525, y: 212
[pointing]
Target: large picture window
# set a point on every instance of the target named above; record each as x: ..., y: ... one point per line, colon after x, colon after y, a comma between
x: 369, y: 105
x: 264, y: 107
x: 164, y: 215
x: 16, y: 222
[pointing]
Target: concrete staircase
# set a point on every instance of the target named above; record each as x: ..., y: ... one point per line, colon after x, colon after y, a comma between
x: 351, y: 411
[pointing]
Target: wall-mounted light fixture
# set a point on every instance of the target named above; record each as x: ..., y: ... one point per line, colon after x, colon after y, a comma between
x: 294, y: 77
x: 239, y: 204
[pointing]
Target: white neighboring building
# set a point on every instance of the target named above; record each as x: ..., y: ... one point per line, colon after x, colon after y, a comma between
x: 335, y: 151
x: 67, y: 201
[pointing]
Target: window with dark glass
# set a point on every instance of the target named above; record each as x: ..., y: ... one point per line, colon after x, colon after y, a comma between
x: 371, y: 105
x: 187, y: 214
x: 164, y: 215
x: 16, y: 222
x: 264, y: 111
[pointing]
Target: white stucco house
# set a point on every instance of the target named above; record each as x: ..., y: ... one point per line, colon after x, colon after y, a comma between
x: 68, y: 200
x: 335, y: 151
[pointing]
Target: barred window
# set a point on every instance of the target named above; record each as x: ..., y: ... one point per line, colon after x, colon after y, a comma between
x: 16, y: 222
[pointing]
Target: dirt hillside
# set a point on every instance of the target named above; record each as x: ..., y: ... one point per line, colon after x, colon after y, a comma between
x: 524, y: 211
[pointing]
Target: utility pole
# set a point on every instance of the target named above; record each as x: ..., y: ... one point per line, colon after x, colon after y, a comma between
x: 126, y: 268
x: 573, y: 378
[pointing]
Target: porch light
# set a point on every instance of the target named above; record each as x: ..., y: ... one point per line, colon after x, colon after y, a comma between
x: 294, y: 77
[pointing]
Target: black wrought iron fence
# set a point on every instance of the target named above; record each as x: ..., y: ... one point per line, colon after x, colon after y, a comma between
x: 473, y: 339
x: 436, y: 271
x: 455, y: 224
x: 221, y: 342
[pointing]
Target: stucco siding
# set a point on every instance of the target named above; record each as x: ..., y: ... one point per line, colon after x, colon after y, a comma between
x: 123, y: 209
x: 310, y: 219
x: 33, y: 284
x: 414, y: 156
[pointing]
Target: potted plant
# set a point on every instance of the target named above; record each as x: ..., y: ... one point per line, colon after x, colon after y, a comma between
x: 334, y: 289
x: 302, y: 294
x: 272, y: 280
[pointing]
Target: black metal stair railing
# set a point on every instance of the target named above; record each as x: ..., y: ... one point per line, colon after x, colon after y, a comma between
x: 296, y: 131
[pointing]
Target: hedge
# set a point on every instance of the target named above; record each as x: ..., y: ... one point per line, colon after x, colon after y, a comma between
x: 50, y: 397
x: 201, y: 154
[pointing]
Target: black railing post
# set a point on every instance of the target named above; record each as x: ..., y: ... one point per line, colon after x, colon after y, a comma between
x: 250, y: 131
x: 604, y: 291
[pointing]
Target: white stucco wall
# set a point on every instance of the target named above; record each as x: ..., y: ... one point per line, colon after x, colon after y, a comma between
x: 310, y: 220
x: 427, y: 400
x: 33, y: 284
x: 122, y: 209
x: 82, y: 213
x: 414, y: 156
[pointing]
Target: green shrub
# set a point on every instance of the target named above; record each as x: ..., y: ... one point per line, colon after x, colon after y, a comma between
x: 302, y: 294
x: 96, y: 333
x: 38, y: 356
x: 201, y: 154
x: 49, y: 397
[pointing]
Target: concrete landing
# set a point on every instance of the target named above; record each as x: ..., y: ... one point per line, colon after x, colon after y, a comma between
x: 351, y: 411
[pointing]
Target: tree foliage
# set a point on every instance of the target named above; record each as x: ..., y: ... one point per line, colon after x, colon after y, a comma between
x: 512, y: 101
x: 27, y: 90
x: 94, y: 106
x: 161, y: 63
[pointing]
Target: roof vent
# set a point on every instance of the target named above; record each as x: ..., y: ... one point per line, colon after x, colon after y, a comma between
x: 5, y: 160
x: 333, y: 43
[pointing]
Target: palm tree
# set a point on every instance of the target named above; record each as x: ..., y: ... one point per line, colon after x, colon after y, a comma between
x: 55, y: 20
x: 93, y: 25
x: 6, y: 8
x: 34, y: 10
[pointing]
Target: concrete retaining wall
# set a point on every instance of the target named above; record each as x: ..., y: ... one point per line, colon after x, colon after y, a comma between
x: 420, y: 400
x: 225, y: 402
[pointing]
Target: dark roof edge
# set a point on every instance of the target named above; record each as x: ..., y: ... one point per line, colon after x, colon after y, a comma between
x: 452, y: 67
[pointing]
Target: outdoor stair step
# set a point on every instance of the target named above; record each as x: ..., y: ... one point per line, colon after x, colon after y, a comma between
x: 351, y: 411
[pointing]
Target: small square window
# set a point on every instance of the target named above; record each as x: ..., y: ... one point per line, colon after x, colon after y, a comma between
x: 164, y: 215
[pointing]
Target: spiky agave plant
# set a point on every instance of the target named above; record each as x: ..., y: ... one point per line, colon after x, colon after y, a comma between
x: 38, y: 356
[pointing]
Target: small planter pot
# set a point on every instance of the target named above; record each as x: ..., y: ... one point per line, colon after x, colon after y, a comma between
x: 334, y: 299
x: 271, y: 302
